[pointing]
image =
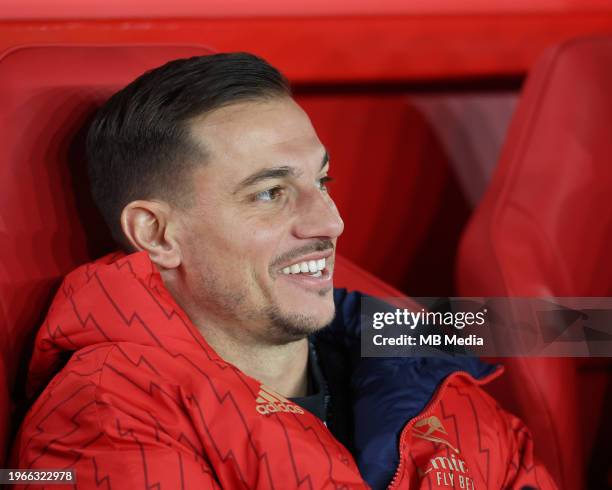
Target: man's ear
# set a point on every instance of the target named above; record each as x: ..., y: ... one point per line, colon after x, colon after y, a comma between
x: 148, y: 226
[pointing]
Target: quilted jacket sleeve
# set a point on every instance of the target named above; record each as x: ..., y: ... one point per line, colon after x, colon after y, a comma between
x: 138, y: 468
x: 524, y: 471
x: 153, y: 467
x: 113, y: 437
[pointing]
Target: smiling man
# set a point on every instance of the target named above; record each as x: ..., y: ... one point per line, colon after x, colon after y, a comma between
x: 249, y: 258
x: 213, y: 352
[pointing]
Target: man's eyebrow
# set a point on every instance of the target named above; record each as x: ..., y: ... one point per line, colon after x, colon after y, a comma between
x: 264, y: 174
x: 274, y: 173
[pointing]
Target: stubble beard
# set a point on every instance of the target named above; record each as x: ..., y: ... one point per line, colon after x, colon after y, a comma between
x: 290, y: 327
x: 276, y: 326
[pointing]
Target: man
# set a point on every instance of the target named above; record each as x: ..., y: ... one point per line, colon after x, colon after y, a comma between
x: 213, y: 352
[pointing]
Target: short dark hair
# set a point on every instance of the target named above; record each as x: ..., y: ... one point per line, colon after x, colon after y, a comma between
x: 139, y: 146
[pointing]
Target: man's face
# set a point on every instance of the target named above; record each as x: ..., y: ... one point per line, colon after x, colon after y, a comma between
x: 259, y: 239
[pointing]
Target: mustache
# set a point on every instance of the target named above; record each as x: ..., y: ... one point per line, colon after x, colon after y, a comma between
x: 319, y: 246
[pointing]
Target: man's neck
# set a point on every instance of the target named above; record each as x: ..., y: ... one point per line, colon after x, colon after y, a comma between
x: 282, y: 367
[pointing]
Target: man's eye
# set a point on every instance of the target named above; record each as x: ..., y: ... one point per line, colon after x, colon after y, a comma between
x: 323, y: 181
x: 269, y: 194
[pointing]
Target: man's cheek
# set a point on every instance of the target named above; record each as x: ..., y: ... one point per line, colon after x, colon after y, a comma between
x: 264, y: 235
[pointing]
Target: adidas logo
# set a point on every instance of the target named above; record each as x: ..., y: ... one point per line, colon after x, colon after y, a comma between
x: 269, y: 401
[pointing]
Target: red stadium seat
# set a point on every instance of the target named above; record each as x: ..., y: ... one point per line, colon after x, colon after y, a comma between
x: 48, y: 224
x: 544, y: 228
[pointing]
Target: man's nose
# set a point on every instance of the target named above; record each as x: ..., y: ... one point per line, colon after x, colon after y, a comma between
x: 317, y: 217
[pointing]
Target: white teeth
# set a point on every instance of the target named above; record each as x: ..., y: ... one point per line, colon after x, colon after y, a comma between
x: 313, y: 267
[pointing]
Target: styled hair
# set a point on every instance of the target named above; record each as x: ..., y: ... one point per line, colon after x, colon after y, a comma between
x: 139, y: 144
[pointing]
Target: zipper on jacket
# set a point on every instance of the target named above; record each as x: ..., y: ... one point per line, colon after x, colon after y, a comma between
x: 323, y: 381
x: 429, y: 408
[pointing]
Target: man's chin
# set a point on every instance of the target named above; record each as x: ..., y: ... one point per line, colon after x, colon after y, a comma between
x: 299, y: 323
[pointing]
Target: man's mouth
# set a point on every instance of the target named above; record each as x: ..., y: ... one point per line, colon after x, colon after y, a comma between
x: 312, y: 268
x: 313, y: 272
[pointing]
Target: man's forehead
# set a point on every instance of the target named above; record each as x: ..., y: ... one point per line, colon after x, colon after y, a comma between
x: 248, y: 136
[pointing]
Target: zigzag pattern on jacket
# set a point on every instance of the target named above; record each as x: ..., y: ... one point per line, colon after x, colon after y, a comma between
x: 133, y: 396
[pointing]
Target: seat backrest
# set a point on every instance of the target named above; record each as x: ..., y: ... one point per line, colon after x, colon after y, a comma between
x: 544, y: 228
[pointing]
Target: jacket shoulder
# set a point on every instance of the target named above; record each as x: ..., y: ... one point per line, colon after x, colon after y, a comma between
x: 102, y: 391
x: 109, y: 415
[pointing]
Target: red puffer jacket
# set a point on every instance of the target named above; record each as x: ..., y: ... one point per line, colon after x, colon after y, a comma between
x: 140, y: 400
